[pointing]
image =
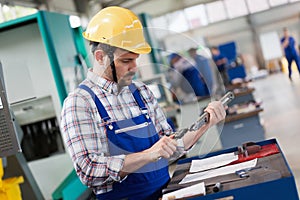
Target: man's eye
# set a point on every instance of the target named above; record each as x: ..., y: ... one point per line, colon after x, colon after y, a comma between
x: 125, y: 61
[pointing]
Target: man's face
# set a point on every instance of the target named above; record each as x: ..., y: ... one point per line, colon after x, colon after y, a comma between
x: 175, y: 60
x: 215, y: 51
x: 286, y: 33
x: 126, y: 67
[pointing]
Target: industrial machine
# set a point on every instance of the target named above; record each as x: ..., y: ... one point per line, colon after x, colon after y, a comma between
x: 44, y: 57
x: 9, y: 143
x: 13, y: 167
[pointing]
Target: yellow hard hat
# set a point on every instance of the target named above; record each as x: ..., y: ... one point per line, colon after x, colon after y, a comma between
x: 118, y: 27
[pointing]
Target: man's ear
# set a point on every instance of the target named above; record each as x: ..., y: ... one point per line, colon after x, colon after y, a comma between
x: 99, y: 55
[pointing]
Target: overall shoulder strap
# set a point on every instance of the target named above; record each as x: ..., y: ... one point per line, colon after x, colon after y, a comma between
x: 98, y: 103
x: 137, y: 96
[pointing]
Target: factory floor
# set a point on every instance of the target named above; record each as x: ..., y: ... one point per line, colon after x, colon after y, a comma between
x: 281, y: 115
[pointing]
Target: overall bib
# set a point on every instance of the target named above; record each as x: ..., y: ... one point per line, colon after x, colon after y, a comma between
x: 129, y: 136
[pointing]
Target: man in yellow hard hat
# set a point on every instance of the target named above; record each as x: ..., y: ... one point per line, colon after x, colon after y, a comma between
x: 113, y: 127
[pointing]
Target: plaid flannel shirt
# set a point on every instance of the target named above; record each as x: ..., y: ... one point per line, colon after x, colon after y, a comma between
x: 84, y: 133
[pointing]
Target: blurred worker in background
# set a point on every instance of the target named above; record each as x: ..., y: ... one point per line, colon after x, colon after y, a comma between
x: 190, y: 80
x: 203, y: 65
x: 291, y: 54
x: 113, y: 127
x: 221, y: 62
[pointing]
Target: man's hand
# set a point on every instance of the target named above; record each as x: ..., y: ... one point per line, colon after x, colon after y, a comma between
x: 216, y: 112
x: 163, y: 148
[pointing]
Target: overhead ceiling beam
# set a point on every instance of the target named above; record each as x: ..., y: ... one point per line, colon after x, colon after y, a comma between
x: 113, y: 3
x: 81, y: 6
x: 25, y: 3
x: 132, y: 3
x: 163, y: 7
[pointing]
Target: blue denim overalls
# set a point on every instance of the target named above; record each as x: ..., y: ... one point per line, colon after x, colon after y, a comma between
x: 130, y: 136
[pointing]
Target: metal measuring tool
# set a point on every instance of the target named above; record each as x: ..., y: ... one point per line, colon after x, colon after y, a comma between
x: 204, y: 118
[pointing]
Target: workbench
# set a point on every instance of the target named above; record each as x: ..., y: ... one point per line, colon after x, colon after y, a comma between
x: 270, y: 179
x: 240, y: 128
x: 242, y: 95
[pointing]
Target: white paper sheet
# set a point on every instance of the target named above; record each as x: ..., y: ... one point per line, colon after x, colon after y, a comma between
x: 213, y: 162
x: 193, y: 190
x: 218, y: 172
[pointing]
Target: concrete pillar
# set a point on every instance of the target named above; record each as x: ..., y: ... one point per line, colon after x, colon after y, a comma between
x: 256, y: 43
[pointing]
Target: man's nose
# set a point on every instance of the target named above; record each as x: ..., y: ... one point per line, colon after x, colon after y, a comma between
x: 133, y: 67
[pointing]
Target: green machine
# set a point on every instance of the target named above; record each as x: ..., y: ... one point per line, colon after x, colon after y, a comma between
x: 43, y: 59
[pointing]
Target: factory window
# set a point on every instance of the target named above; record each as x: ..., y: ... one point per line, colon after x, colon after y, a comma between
x: 160, y: 25
x: 236, y: 8
x: 12, y: 12
x: 257, y: 5
x: 216, y: 11
x: 271, y: 47
x: 177, y: 21
x: 196, y: 16
x: 278, y: 2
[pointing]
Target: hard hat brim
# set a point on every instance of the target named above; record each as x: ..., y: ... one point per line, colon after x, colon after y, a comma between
x: 144, y: 48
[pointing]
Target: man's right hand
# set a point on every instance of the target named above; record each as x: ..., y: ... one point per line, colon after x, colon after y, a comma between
x: 163, y: 148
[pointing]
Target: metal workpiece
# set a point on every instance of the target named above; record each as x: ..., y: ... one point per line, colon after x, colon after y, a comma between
x: 204, y: 118
x: 227, y: 98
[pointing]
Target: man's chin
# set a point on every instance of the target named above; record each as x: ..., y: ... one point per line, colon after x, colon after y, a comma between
x: 123, y: 83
